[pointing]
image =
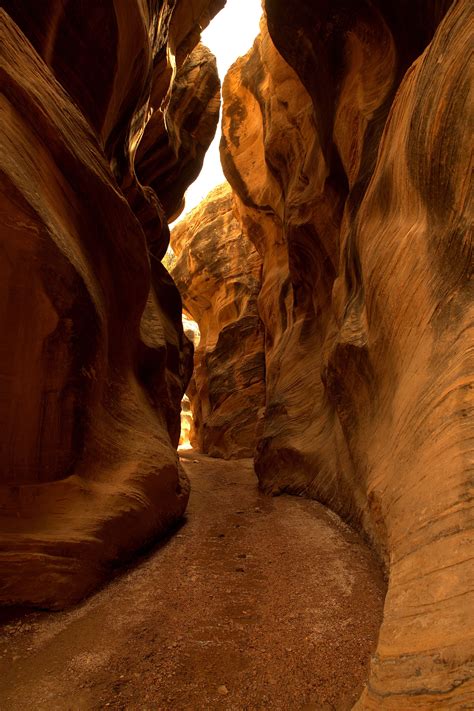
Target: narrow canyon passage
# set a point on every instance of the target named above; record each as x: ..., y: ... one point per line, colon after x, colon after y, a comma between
x: 256, y: 602
x: 326, y: 262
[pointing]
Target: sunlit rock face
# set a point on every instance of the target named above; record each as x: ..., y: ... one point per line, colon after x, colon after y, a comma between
x: 218, y: 275
x: 191, y: 330
x: 357, y: 199
x: 93, y: 361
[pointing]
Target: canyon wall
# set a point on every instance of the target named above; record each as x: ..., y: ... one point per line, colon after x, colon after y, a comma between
x: 93, y: 361
x: 347, y: 140
x: 218, y: 275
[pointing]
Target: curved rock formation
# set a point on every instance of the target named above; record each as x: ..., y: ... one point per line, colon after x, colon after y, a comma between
x: 93, y: 361
x: 347, y: 140
x: 172, y: 150
x: 357, y: 198
x: 218, y: 275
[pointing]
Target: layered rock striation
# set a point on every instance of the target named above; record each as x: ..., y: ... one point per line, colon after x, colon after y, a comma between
x: 93, y: 361
x: 346, y: 138
x: 218, y: 275
x: 347, y: 142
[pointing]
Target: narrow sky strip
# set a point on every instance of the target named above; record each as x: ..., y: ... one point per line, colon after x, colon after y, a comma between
x: 230, y: 35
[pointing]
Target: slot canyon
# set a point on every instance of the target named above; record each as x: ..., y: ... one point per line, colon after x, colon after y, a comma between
x: 309, y: 341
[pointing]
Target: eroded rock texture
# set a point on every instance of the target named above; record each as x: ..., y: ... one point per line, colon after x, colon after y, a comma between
x: 172, y: 150
x: 357, y: 199
x: 93, y: 360
x: 218, y: 275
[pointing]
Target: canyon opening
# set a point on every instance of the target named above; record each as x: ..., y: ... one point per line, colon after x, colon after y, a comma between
x: 236, y: 361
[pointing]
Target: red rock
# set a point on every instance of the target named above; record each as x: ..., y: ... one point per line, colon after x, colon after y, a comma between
x: 218, y: 275
x: 356, y: 198
x: 94, y: 361
x: 171, y: 152
x: 347, y: 143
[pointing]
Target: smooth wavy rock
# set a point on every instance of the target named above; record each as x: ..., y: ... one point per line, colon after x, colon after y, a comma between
x: 218, y: 275
x: 93, y: 361
x: 172, y: 150
x: 352, y: 175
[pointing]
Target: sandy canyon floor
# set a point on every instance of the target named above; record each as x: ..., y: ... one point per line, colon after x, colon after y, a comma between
x: 254, y: 603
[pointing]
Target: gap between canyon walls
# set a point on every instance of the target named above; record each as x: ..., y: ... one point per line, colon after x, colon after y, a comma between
x: 335, y: 316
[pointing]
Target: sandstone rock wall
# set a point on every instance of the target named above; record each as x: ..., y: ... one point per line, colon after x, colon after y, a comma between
x: 350, y: 162
x: 93, y: 361
x: 170, y: 154
x: 218, y: 275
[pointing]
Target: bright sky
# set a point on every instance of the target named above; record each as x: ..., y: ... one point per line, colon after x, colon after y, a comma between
x: 230, y: 35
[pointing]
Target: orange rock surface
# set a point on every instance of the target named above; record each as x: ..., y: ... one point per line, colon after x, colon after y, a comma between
x: 218, y: 275
x: 331, y: 290
x: 93, y: 361
x: 351, y: 170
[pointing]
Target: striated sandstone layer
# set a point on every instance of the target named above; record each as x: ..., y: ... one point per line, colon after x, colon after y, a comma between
x: 218, y: 275
x: 351, y: 165
x: 93, y: 361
